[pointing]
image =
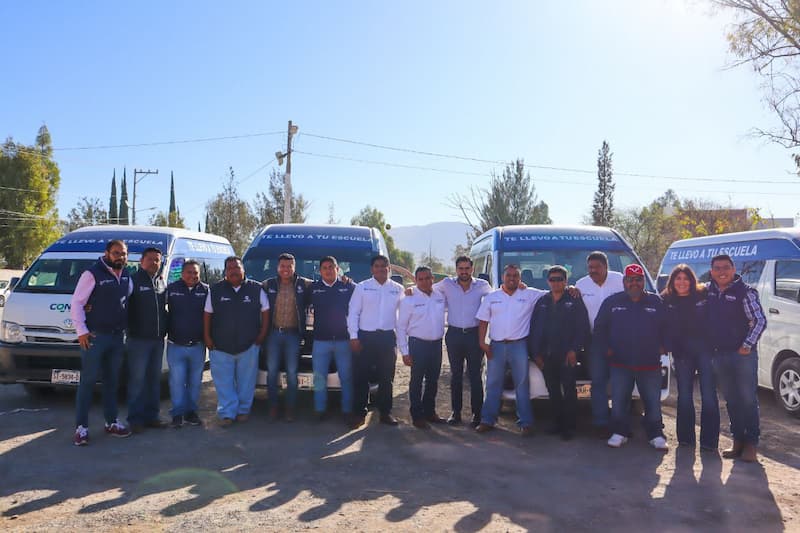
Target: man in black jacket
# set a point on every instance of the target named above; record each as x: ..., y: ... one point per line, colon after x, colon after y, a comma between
x: 559, y: 325
x: 147, y: 326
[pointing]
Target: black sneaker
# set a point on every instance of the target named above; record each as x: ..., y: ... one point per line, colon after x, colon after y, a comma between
x: 177, y: 421
x: 193, y: 419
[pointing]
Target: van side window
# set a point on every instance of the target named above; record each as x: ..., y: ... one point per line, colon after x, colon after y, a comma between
x: 750, y: 271
x: 787, y: 280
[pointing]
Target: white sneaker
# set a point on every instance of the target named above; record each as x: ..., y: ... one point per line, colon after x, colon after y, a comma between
x: 659, y: 443
x: 617, y: 440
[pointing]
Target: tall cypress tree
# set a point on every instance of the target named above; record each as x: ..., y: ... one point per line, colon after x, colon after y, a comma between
x: 123, y: 200
x: 603, y: 206
x: 113, y: 214
x: 172, y: 208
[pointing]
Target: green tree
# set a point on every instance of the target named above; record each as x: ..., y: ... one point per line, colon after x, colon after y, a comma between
x: 171, y: 220
x: 373, y: 218
x: 88, y: 212
x: 113, y: 213
x: 230, y: 216
x: 460, y: 250
x: 650, y: 229
x: 29, y: 181
x: 123, y: 200
x: 436, y: 264
x: 603, y: 206
x: 766, y: 36
x: 510, y: 199
x: 269, y: 207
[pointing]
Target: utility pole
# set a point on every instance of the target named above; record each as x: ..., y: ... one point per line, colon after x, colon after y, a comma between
x: 136, y: 179
x: 287, y: 177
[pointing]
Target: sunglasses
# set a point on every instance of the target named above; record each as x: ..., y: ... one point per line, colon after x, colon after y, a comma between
x: 555, y: 280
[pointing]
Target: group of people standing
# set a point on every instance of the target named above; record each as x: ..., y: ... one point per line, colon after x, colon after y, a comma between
x: 712, y: 330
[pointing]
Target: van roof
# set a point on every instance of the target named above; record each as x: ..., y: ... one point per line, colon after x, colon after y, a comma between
x: 94, y: 238
x: 523, y: 236
x: 299, y: 235
x: 783, y: 243
x: 755, y: 235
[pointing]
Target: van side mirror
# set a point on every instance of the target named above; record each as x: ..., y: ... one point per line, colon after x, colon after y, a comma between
x: 661, y: 282
x: 397, y: 278
x: 484, y: 276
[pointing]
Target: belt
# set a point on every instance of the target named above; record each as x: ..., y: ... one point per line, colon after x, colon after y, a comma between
x: 286, y: 330
x: 463, y: 330
x: 509, y: 341
x: 189, y: 343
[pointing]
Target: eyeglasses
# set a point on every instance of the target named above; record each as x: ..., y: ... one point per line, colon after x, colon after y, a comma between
x: 555, y: 280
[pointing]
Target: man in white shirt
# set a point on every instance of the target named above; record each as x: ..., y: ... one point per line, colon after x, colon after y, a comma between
x: 598, y: 285
x: 371, y: 320
x: 506, y: 312
x: 420, y: 328
x: 463, y: 295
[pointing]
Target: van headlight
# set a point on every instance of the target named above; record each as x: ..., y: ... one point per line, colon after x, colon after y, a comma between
x: 11, y: 332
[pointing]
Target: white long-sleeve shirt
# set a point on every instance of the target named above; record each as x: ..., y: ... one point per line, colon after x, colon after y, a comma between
x: 509, y: 315
x: 420, y: 316
x: 594, y: 295
x: 373, y: 306
x: 83, y: 291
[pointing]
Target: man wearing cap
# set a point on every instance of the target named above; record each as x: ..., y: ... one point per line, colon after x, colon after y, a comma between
x: 420, y: 328
x: 736, y: 322
x: 506, y: 314
x: 629, y: 330
x: 595, y: 287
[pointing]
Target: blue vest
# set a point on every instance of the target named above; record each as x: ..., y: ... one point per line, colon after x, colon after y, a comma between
x: 147, y: 307
x: 108, y: 303
x: 186, y: 311
x: 300, y: 298
x: 330, y: 310
x: 237, y: 315
x: 633, y: 330
x: 727, y: 322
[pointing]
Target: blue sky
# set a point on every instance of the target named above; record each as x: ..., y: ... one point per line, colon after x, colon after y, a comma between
x: 545, y: 81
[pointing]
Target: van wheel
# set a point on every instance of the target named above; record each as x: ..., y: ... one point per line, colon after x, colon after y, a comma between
x: 787, y: 385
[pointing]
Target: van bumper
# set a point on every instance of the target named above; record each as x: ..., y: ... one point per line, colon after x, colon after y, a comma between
x: 34, y: 363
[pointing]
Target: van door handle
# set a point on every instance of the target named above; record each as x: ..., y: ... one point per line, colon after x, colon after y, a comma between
x: 774, y: 311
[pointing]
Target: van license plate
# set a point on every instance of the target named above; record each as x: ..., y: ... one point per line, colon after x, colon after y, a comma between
x: 584, y: 391
x: 305, y: 381
x: 65, y: 377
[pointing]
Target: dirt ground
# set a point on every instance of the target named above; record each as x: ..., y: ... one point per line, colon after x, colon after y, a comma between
x: 318, y: 475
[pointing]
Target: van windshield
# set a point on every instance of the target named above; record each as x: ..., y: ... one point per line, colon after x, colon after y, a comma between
x: 57, y: 275
x: 534, y: 264
x: 749, y: 270
x: 262, y: 262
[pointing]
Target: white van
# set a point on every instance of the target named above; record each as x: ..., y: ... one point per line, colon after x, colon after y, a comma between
x: 769, y: 261
x: 38, y: 342
x: 535, y: 249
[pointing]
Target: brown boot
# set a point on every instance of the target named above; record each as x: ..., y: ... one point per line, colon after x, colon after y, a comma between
x: 734, y: 451
x: 749, y: 453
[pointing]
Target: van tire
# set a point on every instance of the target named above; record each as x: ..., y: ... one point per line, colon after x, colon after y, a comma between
x: 787, y: 385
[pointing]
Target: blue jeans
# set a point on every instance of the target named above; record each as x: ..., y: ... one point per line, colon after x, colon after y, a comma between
x: 515, y: 354
x: 283, y: 346
x: 686, y: 366
x: 426, y: 365
x: 598, y: 370
x: 321, y: 361
x: 104, y: 357
x: 144, y: 379
x: 738, y: 380
x: 185, y: 376
x: 235, y: 380
x: 649, y: 384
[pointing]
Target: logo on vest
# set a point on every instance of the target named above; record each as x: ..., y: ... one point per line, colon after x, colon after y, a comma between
x: 246, y: 299
x: 224, y: 299
x: 142, y: 288
x: 730, y: 298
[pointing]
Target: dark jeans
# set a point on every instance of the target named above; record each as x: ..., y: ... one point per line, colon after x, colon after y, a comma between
x: 463, y: 346
x: 649, y: 384
x: 560, y: 380
x: 598, y: 370
x: 144, y: 379
x: 103, y: 357
x: 426, y: 365
x: 738, y: 380
x: 686, y: 366
x: 377, y: 355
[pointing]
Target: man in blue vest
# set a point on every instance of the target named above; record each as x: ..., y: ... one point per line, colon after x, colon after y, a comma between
x: 330, y: 298
x: 287, y: 294
x: 147, y: 326
x: 99, y: 310
x: 736, y: 322
x: 186, y: 352
x: 235, y: 325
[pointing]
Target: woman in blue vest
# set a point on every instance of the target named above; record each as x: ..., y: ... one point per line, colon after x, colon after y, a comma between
x: 686, y: 305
